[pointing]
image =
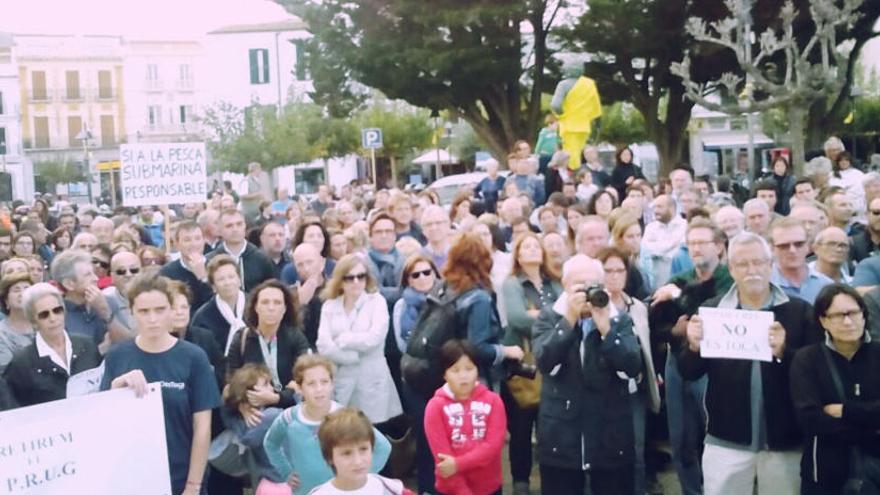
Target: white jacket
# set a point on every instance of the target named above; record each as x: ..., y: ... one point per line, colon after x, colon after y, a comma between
x: 356, y: 343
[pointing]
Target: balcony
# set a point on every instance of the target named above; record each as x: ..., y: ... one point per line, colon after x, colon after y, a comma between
x: 40, y: 96
x: 185, y: 85
x: 73, y: 95
x: 104, y: 94
x: 153, y: 85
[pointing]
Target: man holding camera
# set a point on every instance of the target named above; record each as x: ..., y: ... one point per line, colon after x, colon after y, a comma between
x: 751, y: 433
x: 586, y: 352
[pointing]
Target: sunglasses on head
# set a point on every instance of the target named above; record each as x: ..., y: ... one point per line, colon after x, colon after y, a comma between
x: 423, y: 273
x: 57, y: 310
x: 355, y: 276
x: 122, y: 271
x: 102, y: 264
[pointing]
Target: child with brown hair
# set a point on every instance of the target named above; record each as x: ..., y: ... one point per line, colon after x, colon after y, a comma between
x: 292, y: 442
x: 347, y: 441
x: 235, y: 399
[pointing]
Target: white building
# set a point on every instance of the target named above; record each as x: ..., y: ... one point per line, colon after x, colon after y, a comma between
x: 164, y: 87
x: 71, y: 84
x: 257, y: 64
x: 16, y: 173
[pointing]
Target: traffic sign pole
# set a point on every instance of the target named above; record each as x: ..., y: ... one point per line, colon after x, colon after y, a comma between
x: 373, y: 160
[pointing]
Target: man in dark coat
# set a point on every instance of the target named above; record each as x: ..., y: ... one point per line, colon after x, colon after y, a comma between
x: 253, y: 265
x: 586, y: 355
x: 751, y: 432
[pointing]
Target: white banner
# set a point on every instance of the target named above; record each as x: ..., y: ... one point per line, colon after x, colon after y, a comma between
x: 105, y: 443
x: 736, y: 334
x: 163, y: 173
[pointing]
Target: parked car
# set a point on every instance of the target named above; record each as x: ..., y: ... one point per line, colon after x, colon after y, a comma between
x: 447, y: 187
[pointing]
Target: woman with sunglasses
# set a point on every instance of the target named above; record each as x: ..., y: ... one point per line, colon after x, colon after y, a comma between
x: 533, y: 285
x: 188, y: 387
x: 152, y: 258
x: 835, y: 388
x: 644, y: 391
x: 101, y: 255
x: 16, y: 331
x: 354, y: 324
x: 40, y: 371
x: 420, y: 276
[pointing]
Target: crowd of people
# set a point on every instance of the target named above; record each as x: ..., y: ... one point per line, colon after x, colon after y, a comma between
x: 550, y: 311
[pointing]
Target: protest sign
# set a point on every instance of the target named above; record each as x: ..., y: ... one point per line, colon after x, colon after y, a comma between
x: 736, y: 334
x: 163, y: 173
x: 105, y: 443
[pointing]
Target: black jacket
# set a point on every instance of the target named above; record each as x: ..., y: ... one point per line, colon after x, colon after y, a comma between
x: 728, y: 393
x: 254, y: 266
x: 861, y: 246
x: 35, y: 380
x: 291, y: 345
x: 210, y: 318
x: 585, y: 417
x: 201, y: 291
x: 7, y: 401
x: 829, y: 440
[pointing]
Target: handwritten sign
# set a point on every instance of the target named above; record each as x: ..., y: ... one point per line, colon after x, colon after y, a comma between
x: 101, y: 444
x: 163, y: 173
x: 736, y: 334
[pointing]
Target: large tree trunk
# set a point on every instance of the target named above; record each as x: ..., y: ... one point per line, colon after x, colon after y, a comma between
x: 393, y: 162
x: 797, y: 116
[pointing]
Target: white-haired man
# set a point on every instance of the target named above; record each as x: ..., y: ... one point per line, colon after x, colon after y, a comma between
x: 586, y: 352
x: 751, y: 434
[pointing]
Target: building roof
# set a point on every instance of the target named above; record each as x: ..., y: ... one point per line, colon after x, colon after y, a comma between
x: 292, y: 24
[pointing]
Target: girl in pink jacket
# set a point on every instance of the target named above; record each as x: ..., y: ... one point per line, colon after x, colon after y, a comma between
x: 465, y: 425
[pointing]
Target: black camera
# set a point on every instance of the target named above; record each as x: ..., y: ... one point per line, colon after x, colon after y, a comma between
x: 519, y: 368
x: 596, y: 295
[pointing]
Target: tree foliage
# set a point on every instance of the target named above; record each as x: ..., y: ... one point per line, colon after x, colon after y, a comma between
x: 622, y: 124
x: 469, y: 58
x: 60, y: 172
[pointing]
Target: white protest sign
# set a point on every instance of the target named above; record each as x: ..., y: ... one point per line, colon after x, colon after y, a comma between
x: 736, y: 334
x: 163, y: 173
x: 101, y: 444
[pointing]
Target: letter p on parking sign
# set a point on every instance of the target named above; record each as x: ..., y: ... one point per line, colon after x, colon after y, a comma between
x: 371, y: 139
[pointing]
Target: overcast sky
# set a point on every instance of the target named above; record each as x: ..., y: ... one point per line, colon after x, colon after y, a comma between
x: 135, y: 18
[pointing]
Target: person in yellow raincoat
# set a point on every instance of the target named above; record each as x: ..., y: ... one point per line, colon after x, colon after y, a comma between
x: 576, y: 104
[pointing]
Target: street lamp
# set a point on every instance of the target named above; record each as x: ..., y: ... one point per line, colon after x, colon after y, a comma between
x: 85, y: 135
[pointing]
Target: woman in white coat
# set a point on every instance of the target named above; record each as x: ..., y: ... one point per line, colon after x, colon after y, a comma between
x: 354, y: 323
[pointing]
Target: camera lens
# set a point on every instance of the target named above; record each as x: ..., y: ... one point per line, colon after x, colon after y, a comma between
x: 598, y: 297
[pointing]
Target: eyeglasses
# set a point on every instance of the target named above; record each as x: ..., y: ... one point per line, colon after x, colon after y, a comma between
x: 423, y: 273
x: 151, y: 261
x: 355, y: 276
x: 57, y: 310
x: 838, y: 318
x: 615, y: 271
x: 745, y: 264
x: 122, y: 271
x: 876, y: 213
x: 102, y: 264
x: 785, y: 246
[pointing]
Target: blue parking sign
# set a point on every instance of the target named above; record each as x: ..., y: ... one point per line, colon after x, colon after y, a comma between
x: 371, y: 138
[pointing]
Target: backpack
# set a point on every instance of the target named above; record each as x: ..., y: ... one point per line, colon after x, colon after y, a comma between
x: 437, y: 324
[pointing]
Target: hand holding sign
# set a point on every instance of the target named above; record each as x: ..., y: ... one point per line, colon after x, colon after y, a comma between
x: 736, y: 334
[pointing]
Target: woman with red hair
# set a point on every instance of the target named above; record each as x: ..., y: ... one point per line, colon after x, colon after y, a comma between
x: 467, y: 274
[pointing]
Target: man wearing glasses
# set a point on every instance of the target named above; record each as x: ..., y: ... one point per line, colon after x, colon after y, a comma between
x: 867, y: 242
x: 87, y: 310
x: 831, y: 247
x: 123, y: 267
x: 751, y: 438
x: 790, y: 270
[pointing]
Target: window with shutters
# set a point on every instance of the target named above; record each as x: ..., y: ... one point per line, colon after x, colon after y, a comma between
x: 74, y: 126
x: 105, y: 85
x: 301, y: 71
x: 38, y: 85
x: 154, y: 115
x: 73, y: 90
x: 41, y: 132
x: 108, y: 131
x: 1, y: 102
x: 259, y: 64
x: 3, y: 141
